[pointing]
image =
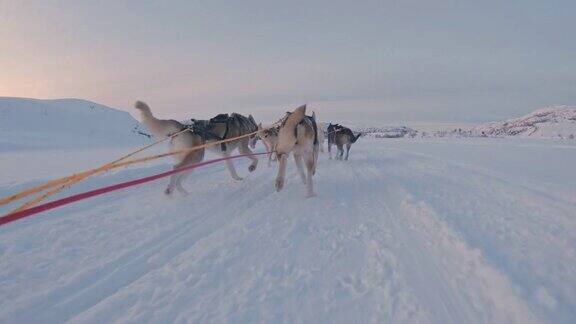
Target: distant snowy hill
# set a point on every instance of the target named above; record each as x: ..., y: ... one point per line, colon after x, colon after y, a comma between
x: 387, y: 131
x: 550, y: 122
x: 65, y: 123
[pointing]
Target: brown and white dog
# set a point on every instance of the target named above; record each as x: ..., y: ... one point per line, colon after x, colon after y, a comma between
x: 269, y: 137
x: 298, y: 135
x: 165, y: 128
x: 219, y: 128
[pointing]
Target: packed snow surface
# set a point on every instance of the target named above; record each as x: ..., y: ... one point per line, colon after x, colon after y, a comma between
x: 468, y: 231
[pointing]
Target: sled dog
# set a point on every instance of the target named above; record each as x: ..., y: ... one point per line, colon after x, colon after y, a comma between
x: 224, y: 127
x: 298, y: 134
x: 269, y: 137
x: 219, y: 128
x: 166, y: 128
x: 340, y: 136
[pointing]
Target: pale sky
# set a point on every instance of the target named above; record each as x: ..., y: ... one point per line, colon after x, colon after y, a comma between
x: 380, y: 60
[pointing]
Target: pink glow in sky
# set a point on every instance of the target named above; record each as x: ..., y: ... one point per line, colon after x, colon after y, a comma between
x: 395, y: 60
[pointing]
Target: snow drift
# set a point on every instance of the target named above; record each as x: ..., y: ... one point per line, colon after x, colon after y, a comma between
x: 65, y: 123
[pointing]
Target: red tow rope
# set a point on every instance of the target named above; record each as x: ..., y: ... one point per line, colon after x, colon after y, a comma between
x: 81, y: 196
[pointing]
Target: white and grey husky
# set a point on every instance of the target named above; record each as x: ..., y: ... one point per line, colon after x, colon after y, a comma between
x: 298, y: 135
x: 221, y: 127
x: 165, y: 128
x: 269, y: 137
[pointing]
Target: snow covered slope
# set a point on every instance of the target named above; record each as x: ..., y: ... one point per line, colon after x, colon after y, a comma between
x: 396, y: 235
x: 551, y: 122
x: 64, y: 123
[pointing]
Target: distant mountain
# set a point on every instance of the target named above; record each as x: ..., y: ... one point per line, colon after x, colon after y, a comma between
x: 65, y: 123
x: 550, y: 122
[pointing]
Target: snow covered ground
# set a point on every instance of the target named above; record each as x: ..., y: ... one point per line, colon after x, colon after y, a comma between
x: 440, y: 231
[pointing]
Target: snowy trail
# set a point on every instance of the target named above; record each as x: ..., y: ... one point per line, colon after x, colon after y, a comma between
x: 392, y: 237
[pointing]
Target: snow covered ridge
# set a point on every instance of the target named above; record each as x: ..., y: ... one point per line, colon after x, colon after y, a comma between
x: 387, y: 131
x: 550, y: 122
x: 65, y: 123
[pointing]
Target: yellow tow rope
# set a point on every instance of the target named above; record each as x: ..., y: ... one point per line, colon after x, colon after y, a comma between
x: 67, y: 181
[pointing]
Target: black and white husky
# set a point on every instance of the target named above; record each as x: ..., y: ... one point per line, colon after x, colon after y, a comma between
x: 340, y: 136
x: 224, y: 127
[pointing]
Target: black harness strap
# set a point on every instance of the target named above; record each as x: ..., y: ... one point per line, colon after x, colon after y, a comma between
x: 222, y: 119
x: 314, y: 127
x: 204, y: 127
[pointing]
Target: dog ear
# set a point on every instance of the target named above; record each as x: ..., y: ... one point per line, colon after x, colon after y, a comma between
x: 260, y: 126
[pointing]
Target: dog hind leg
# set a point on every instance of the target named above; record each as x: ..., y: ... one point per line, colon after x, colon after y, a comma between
x: 281, y: 171
x: 176, y: 179
x: 310, y: 161
x: 316, y: 154
x: 300, y: 166
x: 347, y: 150
x: 230, y: 167
x: 179, y: 181
x: 340, y: 152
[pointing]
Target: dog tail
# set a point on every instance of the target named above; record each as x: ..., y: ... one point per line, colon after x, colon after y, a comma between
x: 355, y: 138
x: 287, y: 134
x: 143, y: 107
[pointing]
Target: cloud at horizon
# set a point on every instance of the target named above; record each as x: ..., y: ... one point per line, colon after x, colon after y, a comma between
x: 391, y: 60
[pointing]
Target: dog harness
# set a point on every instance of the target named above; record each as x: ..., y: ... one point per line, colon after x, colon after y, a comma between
x: 204, y: 127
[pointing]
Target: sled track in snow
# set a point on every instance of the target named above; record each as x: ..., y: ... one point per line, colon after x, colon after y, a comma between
x: 97, y: 284
x: 392, y: 236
